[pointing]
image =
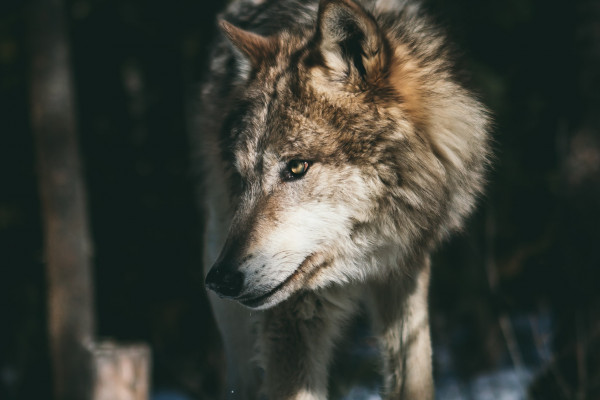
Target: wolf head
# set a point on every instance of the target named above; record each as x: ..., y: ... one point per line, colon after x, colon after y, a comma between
x: 355, y: 150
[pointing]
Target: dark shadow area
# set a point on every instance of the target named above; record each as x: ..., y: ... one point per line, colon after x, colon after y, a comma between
x: 519, y: 290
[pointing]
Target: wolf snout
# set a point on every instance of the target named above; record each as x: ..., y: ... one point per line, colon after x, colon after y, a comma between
x: 225, y: 282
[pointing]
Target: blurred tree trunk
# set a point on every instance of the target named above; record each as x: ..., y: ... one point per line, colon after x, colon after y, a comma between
x: 66, y: 234
x: 121, y: 372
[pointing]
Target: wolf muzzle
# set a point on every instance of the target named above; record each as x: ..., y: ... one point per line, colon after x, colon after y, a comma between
x: 225, y: 277
x: 224, y: 281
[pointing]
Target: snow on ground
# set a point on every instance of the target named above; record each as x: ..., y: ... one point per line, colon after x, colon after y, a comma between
x: 508, y: 384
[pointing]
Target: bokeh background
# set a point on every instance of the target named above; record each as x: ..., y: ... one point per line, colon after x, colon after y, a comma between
x: 515, y: 299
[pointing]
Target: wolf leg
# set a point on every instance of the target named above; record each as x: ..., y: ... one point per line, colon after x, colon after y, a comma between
x: 402, y: 322
x: 296, y: 344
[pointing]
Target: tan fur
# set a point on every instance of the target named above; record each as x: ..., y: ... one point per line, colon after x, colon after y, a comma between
x: 257, y: 48
x: 406, y: 79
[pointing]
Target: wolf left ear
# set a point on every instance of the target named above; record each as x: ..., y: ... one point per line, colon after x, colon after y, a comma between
x: 350, y: 40
x: 254, y: 47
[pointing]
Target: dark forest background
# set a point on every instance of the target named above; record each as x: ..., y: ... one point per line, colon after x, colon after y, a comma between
x: 519, y: 289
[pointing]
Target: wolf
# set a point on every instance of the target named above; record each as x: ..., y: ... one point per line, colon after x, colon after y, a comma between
x: 338, y: 148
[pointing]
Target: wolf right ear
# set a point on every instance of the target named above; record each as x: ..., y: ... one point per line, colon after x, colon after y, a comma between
x: 254, y: 47
x: 350, y: 40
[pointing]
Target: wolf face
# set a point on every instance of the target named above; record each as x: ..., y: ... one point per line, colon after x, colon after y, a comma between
x: 354, y: 150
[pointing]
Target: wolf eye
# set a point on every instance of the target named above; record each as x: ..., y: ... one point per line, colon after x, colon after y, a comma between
x: 296, y: 169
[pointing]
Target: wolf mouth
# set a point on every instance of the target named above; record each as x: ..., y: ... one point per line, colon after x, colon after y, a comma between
x: 254, y: 302
x: 259, y: 300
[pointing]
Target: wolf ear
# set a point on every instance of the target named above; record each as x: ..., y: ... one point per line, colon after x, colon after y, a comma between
x: 350, y: 40
x: 254, y: 47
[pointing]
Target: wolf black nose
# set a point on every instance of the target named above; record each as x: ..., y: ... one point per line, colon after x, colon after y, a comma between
x: 224, y: 282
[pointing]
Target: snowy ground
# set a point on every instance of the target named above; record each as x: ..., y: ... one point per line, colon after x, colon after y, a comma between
x: 498, y: 385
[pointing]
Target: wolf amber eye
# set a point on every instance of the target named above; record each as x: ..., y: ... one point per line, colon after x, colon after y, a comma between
x: 296, y: 169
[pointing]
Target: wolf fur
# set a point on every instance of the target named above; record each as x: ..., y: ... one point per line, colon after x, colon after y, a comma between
x: 337, y: 149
